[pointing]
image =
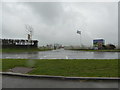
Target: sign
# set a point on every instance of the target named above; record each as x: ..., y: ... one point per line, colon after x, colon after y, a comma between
x: 98, y: 43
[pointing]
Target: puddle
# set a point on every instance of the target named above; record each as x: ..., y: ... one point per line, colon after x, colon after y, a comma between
x: 22, y: 70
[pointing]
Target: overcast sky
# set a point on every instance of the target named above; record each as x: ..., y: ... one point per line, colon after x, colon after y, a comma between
x: 58, y: 22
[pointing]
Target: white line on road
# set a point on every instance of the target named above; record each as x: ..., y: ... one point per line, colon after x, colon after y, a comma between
x: 7, y: 57
x: 66, y: 57
x: 53, y: 58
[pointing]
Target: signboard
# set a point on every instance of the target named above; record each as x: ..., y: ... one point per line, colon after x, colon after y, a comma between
x: 98, y: 43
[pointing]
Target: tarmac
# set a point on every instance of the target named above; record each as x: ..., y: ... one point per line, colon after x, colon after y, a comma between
x: 19, y: 80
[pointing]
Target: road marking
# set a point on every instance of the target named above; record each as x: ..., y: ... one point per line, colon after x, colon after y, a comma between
x: 7, y: 57
x: 66, y: 57
x: 44, y: 56
x: 52, y: 58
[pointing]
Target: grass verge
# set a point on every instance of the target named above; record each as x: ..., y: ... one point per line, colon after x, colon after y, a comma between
x: 113, y: 50
x: 13, y: 50
x: 63, y: 67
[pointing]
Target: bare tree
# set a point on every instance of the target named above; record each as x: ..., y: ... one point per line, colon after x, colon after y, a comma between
x: 29, y: 31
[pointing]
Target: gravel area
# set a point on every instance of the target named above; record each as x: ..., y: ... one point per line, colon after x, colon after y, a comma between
x: 20, y: 70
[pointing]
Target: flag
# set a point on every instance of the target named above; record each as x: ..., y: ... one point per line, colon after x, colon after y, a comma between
x: 79, y: 32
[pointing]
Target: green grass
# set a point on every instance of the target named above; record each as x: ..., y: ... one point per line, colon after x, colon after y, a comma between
x: 113, y: 50
x: 12, y: 50
x: 0, y: 65
x: 79, y: 68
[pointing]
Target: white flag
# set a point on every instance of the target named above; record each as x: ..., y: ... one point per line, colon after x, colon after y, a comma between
x: 79, y: 32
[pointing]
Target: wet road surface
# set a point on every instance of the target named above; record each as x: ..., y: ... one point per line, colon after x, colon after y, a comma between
x: 27, y: 82
x: 62, y: 54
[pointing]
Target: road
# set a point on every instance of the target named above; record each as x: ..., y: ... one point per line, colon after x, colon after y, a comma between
x: 27, y: 82
x: 62, y: 54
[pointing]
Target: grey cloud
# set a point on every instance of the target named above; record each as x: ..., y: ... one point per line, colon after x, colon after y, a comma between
x: 49, y: 12
x: 58, y: 22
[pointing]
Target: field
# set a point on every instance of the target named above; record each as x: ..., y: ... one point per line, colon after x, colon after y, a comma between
x: 66, y: 67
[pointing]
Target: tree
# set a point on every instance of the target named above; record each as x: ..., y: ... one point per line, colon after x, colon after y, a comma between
x: 110, y: 46
x: 29, y: 31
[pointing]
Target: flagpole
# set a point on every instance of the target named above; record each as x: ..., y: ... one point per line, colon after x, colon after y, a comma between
x: 79, y: 32
x: 80, y: 40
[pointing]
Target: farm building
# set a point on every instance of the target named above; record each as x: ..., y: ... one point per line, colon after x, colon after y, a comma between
x: 18, y: 43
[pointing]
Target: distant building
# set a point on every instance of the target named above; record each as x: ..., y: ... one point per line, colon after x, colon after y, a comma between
x: 18, y: 43
x: 98, y: 43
